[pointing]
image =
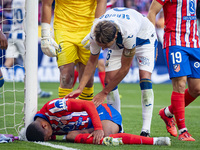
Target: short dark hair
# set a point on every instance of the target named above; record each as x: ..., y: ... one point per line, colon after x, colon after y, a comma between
x: 34, y: 132
x: 105, y: 31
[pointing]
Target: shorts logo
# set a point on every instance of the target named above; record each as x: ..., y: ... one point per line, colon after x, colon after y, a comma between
x: 143, y: 61
x: 196, y: 64
x: 59, y: 49
x: 177, y: 67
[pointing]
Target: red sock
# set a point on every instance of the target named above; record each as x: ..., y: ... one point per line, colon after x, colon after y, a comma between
x: 178, y: 106
x: 133, y: 139
x: 75, y: 77
x: 102, y: 75
x: 83, y: 138
x: 188, y: 98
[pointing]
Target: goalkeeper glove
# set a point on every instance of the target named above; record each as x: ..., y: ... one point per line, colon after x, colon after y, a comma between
x: 48, y: 45
x: 87, y: 46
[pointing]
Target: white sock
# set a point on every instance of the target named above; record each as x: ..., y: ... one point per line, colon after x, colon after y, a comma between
x: 168, y: 113
x: 181, y: 130
x: 154, y: 140
x: 147, y: 101
x: 114, y: 100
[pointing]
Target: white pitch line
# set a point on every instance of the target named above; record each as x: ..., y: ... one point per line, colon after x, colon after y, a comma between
x: 157, y: 106
x: 55, y: 146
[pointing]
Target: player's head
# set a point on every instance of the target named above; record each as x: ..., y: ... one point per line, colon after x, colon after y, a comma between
x: 105, y: 33
x: 39, y: 130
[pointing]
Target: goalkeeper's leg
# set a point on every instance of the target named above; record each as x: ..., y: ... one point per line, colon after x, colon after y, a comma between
x: 66, y: 79
x: 88, y: 91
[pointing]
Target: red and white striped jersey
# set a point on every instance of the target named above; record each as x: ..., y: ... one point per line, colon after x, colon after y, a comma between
x: 180, y: 23
x: 59, y: 113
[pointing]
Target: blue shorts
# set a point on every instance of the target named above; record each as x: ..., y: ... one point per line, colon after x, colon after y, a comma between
x: 182, y: 61
x: 107, y: 112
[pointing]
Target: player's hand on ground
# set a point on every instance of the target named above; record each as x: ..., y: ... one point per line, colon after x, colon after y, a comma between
x: 97, y: 136
x: 48, y: 45
x: 74, y: 94
x: 99, y: 99
x: 84, y: 42
x: 3, y: 41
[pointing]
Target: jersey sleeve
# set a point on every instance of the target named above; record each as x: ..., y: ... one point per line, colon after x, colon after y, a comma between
x: 94, y: 48
x: 75, y: 105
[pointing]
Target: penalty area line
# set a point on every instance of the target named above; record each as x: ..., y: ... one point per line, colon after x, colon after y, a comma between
x: 55, y: 146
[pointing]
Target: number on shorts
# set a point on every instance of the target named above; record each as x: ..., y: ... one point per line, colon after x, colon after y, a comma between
x: 176, y: 57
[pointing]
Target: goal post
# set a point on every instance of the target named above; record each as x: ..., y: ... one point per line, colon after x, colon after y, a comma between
x: 31, y: 61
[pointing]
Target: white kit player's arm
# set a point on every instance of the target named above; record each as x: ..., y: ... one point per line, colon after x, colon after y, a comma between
x: 126, y: 61
x: 48, y: 45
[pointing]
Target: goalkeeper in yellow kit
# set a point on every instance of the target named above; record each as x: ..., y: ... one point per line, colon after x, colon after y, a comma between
x: 72, y: 22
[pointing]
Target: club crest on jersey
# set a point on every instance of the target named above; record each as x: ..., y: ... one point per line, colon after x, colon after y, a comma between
x: 177, y: 67
x: 192, y: 7
x: 143, y: 61
x: 196, y: 64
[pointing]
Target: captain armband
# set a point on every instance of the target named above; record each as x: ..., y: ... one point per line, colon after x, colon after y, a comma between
x: 129, y: 52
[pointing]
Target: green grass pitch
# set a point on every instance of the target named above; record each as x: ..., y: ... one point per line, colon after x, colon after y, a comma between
x: 131, y: 114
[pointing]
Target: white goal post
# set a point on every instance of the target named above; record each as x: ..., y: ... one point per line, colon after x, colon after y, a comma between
x: 31, y: 61
x: 18, y: 100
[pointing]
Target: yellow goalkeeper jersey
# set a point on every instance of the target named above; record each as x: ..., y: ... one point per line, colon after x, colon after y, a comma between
x: 74, y: 14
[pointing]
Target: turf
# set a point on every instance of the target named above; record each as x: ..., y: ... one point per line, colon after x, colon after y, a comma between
x: 131, y: 114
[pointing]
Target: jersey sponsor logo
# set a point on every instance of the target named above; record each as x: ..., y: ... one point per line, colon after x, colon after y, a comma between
x: 177, y: 67
x: 189, y: 17
x: 143, y: 61
x: 196, y: 64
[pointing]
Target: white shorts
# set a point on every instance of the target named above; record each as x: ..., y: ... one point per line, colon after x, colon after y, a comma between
x: 15, y: 48
x: 145, y: 54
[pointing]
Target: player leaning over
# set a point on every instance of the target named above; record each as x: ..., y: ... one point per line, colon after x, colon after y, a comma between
x: 182, y: 54
x: 72, y: 22
x: 126, y: 33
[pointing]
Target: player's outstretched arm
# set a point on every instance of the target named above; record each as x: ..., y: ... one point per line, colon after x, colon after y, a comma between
x: 126, y: 62
x: 88, y: 72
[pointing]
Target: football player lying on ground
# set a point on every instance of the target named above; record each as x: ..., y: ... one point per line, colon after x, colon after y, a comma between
x: 81, y: 122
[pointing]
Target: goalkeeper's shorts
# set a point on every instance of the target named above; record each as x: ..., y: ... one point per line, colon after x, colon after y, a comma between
x: 70, y: 48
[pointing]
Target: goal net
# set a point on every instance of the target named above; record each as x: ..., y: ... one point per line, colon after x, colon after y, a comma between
x: 18, y: 96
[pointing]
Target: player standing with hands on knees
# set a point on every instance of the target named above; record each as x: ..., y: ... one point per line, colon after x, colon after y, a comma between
x: 72, y: 22
x: 126, y: 33
x: 3, y: 45
x: 182, y: 54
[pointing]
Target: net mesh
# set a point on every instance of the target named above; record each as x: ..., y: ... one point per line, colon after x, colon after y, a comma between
x: 12, y: 92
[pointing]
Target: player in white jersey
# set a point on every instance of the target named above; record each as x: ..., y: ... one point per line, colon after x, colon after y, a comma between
x: 16, y: 47
x: 126, y: 33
